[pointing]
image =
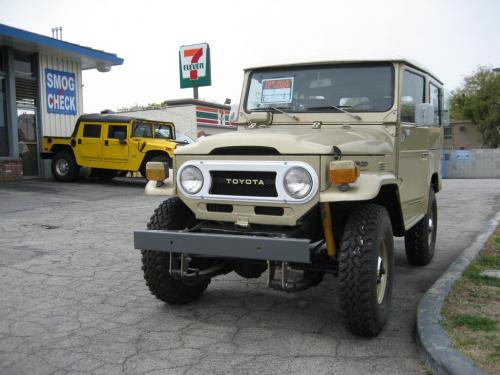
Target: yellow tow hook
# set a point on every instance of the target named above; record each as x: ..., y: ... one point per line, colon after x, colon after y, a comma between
x: 326, y: 219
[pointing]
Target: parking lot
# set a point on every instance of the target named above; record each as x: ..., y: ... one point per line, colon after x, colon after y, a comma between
x: 73, y: 300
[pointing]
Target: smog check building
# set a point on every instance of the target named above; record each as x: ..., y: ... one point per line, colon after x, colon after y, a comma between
x: 40, y: 95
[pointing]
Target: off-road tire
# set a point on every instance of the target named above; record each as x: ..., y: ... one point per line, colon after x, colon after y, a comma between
x: 64, y: 167
x: 368, y: 230
x: 171, y: 214
x: 161, y: 158
x: 420, y: 240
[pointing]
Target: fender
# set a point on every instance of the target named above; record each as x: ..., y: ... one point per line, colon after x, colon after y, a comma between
x: 367, y: 187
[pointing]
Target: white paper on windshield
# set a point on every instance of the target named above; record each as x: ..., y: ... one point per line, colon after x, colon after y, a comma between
x: 277, y: 90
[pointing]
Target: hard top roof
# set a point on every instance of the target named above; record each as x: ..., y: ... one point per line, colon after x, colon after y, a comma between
x: 96, y: 117
x: 405, y: 61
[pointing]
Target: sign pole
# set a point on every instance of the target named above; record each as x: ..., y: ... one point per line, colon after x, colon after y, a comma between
x: 195, y: 92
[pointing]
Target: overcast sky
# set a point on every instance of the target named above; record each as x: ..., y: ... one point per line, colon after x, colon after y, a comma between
x: 451, y: 38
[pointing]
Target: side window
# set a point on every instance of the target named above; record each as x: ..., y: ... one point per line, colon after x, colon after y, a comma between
x: 163, y: 131
x: 435, y: 100
x: 92, y: 131
x: 117, y: 131
x: 412, y: 93
x: 142, y: 130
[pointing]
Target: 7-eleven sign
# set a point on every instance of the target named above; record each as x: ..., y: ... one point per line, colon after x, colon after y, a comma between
x: 194, y: 65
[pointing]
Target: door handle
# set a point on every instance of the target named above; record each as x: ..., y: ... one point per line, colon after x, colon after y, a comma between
x: 105, y: 142
x: 79, y: 141
x: 425, y: 155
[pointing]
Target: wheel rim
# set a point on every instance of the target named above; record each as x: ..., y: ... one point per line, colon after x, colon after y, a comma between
x: 62, y: 167
x: 382, y: 272
x: 431, y: 225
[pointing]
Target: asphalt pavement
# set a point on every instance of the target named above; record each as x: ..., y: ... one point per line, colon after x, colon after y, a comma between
x: 73, y: 299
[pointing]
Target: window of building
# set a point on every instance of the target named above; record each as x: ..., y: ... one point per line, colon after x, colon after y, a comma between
x: 4, y: 132
x: 435, y: 99
x: 117, y: 132
x: 24, y: 66
x: 92, y: 131
x: 445, y: 118
x: 412, y: 94
x: 142, y: 130
x: 1, y: 61
x: 448, y: 132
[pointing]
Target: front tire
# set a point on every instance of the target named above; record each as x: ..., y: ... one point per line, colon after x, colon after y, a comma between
x: 420, y: 241
x: 366, y: 269
x: 170, y: 215
x: 64, y: 167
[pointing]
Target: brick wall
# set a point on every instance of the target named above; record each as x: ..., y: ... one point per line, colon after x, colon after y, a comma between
x: 10, y: 170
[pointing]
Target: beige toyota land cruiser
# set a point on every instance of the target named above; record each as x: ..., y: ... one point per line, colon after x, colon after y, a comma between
x: 331, y: 160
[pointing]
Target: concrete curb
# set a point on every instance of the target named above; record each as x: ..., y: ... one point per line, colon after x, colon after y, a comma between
x: 434, y: 345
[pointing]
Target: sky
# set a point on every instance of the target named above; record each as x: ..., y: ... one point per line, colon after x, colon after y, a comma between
x: 451, y: 38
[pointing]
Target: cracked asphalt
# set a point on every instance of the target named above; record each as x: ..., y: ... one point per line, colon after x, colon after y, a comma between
x: 73, y: 299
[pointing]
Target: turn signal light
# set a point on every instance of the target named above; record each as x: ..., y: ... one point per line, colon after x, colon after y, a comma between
x: 156, y: 170
x: 343, y: 172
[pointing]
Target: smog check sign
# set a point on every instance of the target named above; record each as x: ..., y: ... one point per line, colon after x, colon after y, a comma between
x: 60, y: 92
x: 194, y: 65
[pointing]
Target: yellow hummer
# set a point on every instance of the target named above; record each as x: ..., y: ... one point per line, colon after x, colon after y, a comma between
x: 110, y: 145
x: 330, y: 161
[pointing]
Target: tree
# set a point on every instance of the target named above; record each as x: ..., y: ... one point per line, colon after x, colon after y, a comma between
x: 478, y: 100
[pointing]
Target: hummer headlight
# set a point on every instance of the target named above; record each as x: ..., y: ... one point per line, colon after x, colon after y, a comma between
x: 298, y: 182
x: 191, y: 179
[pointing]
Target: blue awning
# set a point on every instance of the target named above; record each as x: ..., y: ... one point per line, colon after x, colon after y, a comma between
x: 31, y: 42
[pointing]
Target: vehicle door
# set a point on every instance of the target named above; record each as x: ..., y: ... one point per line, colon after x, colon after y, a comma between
x: 88, y: 150
x: 414, y: 156
x: 115, y: 149
x: 142, y: 132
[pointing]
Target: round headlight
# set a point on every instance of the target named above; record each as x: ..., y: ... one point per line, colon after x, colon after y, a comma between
x: 191, y: 179
x: 298, y: 182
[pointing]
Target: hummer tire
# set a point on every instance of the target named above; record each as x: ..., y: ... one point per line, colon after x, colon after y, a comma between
x: 171, y: 214
x: 366, y: 264
x: 64, y: 167
x: 420, y: 240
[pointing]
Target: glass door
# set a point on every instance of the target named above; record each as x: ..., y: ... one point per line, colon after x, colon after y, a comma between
x: 28, y: 140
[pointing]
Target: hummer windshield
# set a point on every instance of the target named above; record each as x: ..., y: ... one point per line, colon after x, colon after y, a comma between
x: 335, y: 88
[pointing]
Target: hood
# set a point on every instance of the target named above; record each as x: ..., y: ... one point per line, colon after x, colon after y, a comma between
x: 360, y: 140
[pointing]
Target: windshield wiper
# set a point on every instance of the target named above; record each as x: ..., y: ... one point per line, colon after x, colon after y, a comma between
x: 283, y: 112
x: 357, y: 117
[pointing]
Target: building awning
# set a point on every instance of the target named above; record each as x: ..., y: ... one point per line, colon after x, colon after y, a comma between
x: 31, y: 42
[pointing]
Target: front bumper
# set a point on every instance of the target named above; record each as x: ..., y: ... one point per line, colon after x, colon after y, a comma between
x: 295, y: 250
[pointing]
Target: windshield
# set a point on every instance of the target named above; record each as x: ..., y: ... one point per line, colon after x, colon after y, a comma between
x: 163, y: 131
x: 353, y: 88
x: 183, y: 138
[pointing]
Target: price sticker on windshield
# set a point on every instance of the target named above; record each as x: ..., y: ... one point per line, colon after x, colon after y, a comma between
x: 277, y: 90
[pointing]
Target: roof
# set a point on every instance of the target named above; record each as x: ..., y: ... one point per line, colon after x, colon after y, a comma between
x: 96, y: 117
x: 188, y: 101
x: 31, y: 42
x: 409, y: 62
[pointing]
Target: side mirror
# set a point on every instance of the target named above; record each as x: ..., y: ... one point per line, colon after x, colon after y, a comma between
x: 260, y: 117
x: 424, y: 114
x: 121, y: 138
